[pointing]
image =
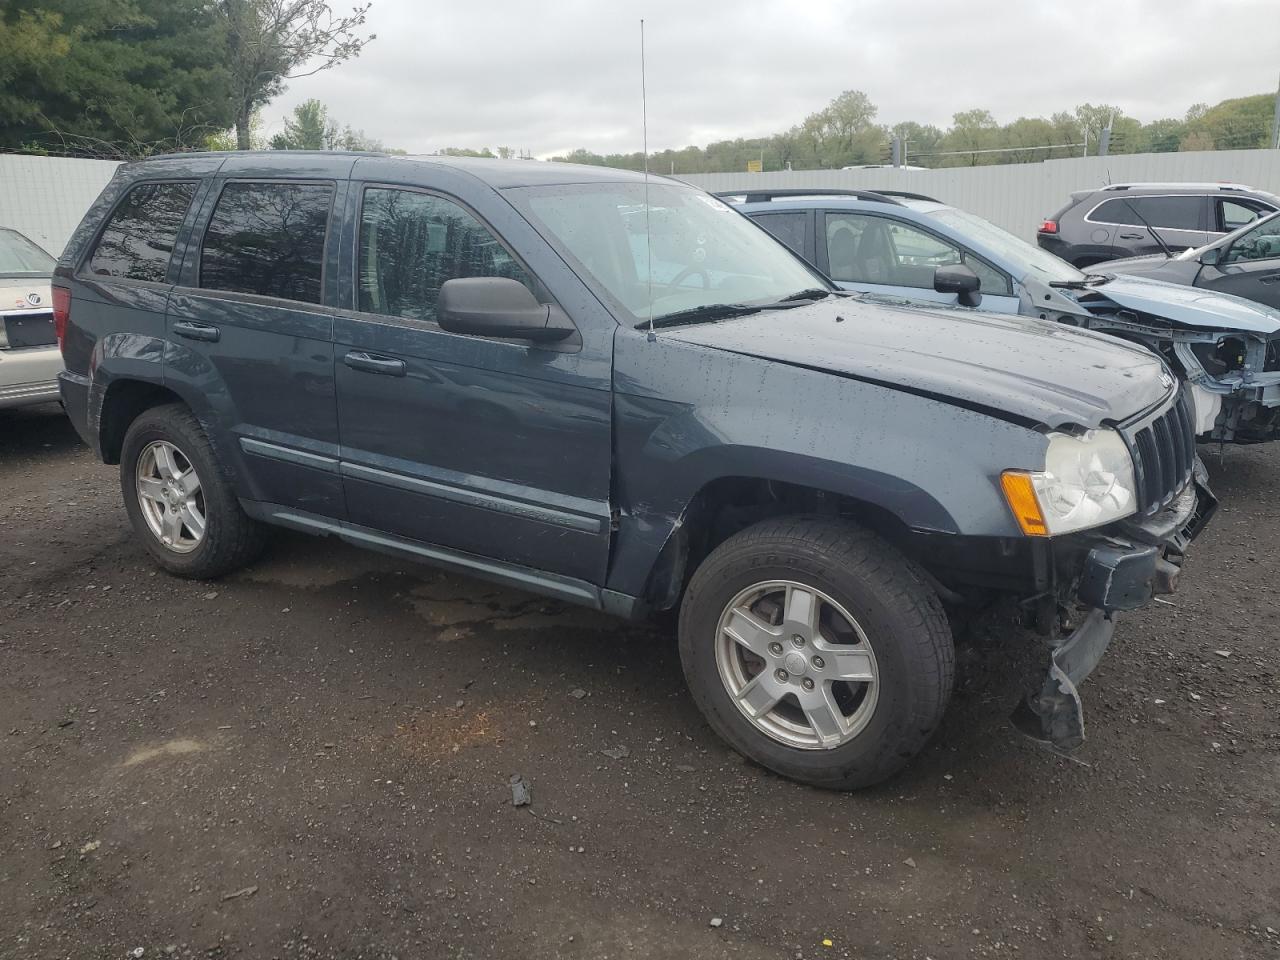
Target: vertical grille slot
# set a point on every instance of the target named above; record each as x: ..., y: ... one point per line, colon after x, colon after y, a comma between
x: 1164, y: 450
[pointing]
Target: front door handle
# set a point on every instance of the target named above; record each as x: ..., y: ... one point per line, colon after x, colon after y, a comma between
x: 372, y: 363
x: 1132, y: 236
x: 190, y: 330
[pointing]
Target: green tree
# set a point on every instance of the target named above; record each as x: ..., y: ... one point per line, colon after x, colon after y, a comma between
x: 308, y: 129
x: 1240, y: 124
x: 972, y: 131
x: 268, y: 42
x: 116, y: 78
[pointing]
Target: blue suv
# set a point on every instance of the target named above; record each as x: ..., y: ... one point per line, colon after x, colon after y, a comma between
x: 893, y: 244
x: 619, y: 392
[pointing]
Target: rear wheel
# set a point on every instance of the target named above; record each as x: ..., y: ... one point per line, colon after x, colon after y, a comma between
x: 817, y: 650
x: 180, y: 504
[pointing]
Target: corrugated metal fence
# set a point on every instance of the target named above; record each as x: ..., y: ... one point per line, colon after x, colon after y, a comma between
x: 45, y: 197
x: 1018, y: 196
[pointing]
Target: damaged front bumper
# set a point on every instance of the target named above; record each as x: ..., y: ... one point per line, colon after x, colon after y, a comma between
x: 1123, y: 569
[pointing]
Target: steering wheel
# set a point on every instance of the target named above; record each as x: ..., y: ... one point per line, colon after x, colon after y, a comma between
x: 670, y: 288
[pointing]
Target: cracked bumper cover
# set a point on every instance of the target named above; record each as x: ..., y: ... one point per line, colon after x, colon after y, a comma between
x: 1122, y: 572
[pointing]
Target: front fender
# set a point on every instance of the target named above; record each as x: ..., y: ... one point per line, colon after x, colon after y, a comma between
x: 686, y: 416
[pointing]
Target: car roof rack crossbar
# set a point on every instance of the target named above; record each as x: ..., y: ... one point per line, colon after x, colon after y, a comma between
x: 760, y: 196
x: 1179, y: 185
x: 907, y: 195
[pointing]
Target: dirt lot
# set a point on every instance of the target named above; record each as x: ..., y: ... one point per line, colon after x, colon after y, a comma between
x: 312, y: 759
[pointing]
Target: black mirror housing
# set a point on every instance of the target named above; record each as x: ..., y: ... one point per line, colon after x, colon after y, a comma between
x: 498, y: 307
x: 958, y: 279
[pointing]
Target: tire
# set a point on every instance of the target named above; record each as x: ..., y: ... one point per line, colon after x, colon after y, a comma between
x: 864, y: 579
x: 229, y: 539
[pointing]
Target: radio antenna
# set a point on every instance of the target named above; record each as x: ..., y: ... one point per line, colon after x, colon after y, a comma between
x: 644, y: 128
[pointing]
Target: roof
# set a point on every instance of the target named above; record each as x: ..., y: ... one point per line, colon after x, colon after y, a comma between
x: 495, y: 172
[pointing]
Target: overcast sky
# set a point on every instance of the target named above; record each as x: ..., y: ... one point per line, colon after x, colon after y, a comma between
x: 557, y: 74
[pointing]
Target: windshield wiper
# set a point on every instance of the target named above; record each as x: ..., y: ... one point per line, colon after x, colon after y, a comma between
x: 1090, y: 280
x: 813, y: 293
x: 704, y: 314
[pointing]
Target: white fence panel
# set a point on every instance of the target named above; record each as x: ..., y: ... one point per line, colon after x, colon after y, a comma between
x: 1018, y: 196
x: 45, y: 197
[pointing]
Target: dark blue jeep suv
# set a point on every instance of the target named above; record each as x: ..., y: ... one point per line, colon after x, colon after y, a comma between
x: 627, y: 395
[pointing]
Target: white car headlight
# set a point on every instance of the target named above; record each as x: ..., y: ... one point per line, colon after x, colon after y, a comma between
x: 1087, y: 481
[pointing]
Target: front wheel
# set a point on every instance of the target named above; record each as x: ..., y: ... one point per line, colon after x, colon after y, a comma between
x: 816, y: 649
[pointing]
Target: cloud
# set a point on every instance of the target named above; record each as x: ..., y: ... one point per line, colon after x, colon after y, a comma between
x: 548, y: 77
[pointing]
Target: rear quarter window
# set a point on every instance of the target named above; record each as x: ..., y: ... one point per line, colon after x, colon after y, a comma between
x: 268, y: 239
x: 138, y: 238
x: 790, y: 228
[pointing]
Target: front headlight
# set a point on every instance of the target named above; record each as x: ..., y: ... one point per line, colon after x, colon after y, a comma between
x: 1087, y: 481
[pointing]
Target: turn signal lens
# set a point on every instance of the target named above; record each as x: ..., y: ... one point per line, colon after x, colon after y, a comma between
x: 1020, y: 494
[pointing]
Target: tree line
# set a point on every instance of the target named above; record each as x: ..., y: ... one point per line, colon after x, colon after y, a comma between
x: 845, y: 133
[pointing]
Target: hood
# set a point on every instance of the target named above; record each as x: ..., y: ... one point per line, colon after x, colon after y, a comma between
x: 25, y: 293
x: 1176, y: 301
x: 1021, y: 369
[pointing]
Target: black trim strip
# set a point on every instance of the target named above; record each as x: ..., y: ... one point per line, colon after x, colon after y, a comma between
x: 474, y: 498
x: 272, y: 451
x: 565, y: 588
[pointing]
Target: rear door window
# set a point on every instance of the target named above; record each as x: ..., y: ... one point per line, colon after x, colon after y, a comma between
x: 790, y: 228
x: 411, y: 243
x: 268, y: 239
x: 1171, y: 213
x: 139, y: 235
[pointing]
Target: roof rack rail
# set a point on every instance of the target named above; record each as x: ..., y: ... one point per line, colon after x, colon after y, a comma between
x: 761, y: 195
x: 1180, y: 185
x: 907, y: 195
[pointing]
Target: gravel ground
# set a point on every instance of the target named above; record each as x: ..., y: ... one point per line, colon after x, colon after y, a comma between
x: 313, y: 759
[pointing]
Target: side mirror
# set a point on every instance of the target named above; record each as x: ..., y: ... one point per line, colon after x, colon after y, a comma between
x: 499, y: 307
x: 1211, y: 256
x: 958, y: 279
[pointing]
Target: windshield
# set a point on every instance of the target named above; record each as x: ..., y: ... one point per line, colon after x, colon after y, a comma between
x: 1044, y: 265
x: 696, y: 252
x: 19, y: 257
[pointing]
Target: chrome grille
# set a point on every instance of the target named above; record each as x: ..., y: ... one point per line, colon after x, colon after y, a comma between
x: 1164, y: 450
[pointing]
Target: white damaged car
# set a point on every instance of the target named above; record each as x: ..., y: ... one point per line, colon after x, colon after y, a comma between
x: 906, y: 246
x: 29, y: 356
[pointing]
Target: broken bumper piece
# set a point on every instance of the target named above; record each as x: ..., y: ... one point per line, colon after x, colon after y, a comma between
x: 1123, y: 573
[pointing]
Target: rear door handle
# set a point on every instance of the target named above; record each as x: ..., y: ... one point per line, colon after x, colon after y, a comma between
x: 190, y: 330
x: 372, y: 363
x: 1132, y: 236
